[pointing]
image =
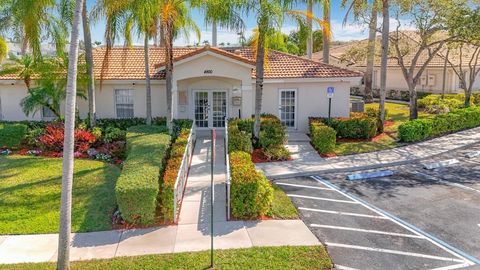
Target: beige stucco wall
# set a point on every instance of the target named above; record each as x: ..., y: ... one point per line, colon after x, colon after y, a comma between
x: 11, y: 94
x: 311, y: 101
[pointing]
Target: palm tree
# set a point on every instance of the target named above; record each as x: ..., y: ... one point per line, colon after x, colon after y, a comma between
x: 87, y: 38
x: 63, y: 261
x: 175, y: 17
x: 269, y: 19
x: 32, y: 20
x: 221, y: 14
x: 310, y: 30
x: 144, y: 14
x: 385, y: 43
x: 24, y: 67
x: 359, y: 7
x: 3, y: 49
x: 326, y: 34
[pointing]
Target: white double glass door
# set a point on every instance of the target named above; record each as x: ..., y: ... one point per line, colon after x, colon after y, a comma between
x: 210, y: 108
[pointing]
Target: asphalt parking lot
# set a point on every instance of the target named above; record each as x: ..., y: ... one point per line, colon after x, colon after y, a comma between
x: 414, y: 219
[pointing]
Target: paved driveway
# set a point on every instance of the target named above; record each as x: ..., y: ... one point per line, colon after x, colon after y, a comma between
x: 415, y: 219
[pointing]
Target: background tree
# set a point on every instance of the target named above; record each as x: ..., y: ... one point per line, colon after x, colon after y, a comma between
x: 360, y: 8
x: 87, y: 38
x: 384, y: 61
x: 24, y: 67
x: 63, y: 261
x: 430, y: 19
x: 221, y: 13
x: 326, y: 31
x: 3, y: 49
x: 463, y: 53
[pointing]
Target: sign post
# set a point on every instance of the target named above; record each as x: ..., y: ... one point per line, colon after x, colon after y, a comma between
x: 330, y: 92
x: 212, y: 197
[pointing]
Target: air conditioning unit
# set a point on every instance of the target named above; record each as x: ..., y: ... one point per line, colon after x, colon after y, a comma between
x: 358, y: 106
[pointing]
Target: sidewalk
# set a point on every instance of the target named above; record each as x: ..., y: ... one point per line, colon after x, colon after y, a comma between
x: 191, y: 234
x: 391, y: 157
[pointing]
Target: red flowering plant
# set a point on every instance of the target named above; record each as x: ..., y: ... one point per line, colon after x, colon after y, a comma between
x: 52, y: 139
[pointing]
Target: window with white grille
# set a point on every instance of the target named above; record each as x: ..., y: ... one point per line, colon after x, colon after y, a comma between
x: 47, y: 113
x: 124, y: 103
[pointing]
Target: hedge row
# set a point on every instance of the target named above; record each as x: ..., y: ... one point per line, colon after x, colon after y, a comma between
x: 124, y: 124
x: 12, y: 135
x: 138, y: 185
x: 171, y: 172
x: 251, y: 193
x: 358, y: 126
x: 323, y: 137
x: 421, y: 129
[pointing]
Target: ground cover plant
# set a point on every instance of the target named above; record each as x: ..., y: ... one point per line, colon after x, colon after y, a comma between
x: 30, y: 194
x: 282, y: 258
x: 12, y: 135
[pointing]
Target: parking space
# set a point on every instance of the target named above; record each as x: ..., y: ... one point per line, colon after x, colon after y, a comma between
x: 406, y: 221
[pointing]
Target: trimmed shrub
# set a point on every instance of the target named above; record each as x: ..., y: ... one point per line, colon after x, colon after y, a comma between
x: 12, y: 135
x: 138, y: 185
x: 170, y: 175
x: 277, y: 153
x: 239, y: 140
x: 251, y: 193
x: 272, y: 133
x: 421, y: 129
x: 112, y: 134
x: 415, y: 130
x: 323, y: 138
x: 358, y: 126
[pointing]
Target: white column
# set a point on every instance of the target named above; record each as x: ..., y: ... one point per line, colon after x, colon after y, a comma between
x: 174, y: 99
x: 248, y: 101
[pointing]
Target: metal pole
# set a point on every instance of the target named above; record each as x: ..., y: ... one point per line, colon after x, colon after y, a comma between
x: 212, y: 190
x: 329, y: 107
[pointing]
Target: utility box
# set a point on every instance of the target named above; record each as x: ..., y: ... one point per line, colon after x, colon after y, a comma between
x: 358, y: 106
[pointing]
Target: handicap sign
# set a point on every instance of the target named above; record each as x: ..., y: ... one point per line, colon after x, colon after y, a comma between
x: 330, y: 92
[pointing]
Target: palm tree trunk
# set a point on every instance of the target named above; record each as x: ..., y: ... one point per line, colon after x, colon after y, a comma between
x: 310, y: 29
x: 63, y: 260
x: 326, y: 41
x: 147, y: 81
x: 260, y: 65
x: 89, y: 59
x: 444, y: 81
x: 169, y: 70
x: 383, y: 76
x: 372, y: 41
x: 214, y: 33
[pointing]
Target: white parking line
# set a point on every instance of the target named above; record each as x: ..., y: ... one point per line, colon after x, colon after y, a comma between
x: 397, y: 252
x: 302, y: 186
x: 453, y: 184
x: 341, y: 213
x: 451, y: 267
x: 341, y: 267
x: 321, y: 199
x: 366, y: 231
x: 452, y: 250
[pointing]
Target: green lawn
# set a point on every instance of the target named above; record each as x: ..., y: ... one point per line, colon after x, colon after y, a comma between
x: 251, y: 258
x: 398, y: 113
x: 282, y: 207
x: 30, y: 195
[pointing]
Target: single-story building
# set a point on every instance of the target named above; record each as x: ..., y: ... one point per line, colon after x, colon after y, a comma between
x: 208, y: 84
x: 352, y: 55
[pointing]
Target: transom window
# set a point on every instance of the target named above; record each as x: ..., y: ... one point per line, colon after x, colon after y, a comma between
x: 124, y: 103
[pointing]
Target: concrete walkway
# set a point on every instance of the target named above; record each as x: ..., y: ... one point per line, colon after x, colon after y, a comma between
x: 391, y: 157
x: 191, y: 234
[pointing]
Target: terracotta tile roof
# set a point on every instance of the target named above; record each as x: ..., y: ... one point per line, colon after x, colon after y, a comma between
x: 438, y: 60
x: 129, y: 64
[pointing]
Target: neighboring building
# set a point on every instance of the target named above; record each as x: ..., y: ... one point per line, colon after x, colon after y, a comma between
x: 352, y: 55
x: 208, y: 84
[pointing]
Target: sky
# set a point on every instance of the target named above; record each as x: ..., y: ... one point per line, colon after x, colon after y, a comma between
x: 350, y: 31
